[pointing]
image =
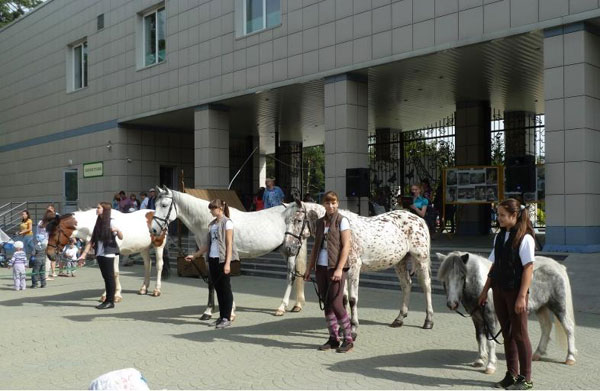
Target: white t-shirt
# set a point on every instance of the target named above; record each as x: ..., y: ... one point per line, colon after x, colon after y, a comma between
x: 214, y: 239
x: 71, y: 252
x: 526, y: 249
x: 323, y: 259
x: 100, y: 244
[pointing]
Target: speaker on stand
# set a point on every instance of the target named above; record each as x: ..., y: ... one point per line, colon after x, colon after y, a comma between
x: 357, y: 183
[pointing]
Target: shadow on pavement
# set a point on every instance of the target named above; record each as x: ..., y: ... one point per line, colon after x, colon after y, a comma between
x: 389, y: 367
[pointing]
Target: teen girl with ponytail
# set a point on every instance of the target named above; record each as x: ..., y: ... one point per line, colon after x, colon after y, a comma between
x: 221, y: 251
x: 510, y: 278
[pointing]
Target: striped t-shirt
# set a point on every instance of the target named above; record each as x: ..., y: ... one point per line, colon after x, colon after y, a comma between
x: 19, y: 257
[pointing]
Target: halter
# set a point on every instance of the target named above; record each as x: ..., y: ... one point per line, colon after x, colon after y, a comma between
x: 57, y: 245
x: 304, y: 223
x: 163, y: 223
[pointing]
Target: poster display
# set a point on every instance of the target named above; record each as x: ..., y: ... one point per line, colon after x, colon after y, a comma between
x: 472, y: 185
x: 540, y: 188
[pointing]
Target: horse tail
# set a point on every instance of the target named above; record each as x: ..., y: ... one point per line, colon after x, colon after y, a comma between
x: 560, y: 332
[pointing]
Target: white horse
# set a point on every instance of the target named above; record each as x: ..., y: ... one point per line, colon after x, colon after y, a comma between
x: 136, y: 239
x: 256, y: 234
x: 378, y: 242
x: 464, y: 275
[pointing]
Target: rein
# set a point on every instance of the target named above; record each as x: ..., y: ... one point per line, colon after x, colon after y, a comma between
x: 489, y: 335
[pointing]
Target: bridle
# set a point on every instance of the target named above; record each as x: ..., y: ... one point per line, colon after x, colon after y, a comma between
x: 57, y: 246
x: 163, y: 223
x: 304, y: 224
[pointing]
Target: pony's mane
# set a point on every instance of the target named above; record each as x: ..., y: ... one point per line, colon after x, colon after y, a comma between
x: 452, y: 261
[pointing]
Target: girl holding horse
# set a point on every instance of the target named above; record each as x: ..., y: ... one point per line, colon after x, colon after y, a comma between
x: 105, y: 246
x: 221, y: 251
x: 330, y: 254
x: 510, y: 277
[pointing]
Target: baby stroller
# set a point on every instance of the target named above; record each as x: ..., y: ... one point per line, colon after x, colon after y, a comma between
x: 7, y: 249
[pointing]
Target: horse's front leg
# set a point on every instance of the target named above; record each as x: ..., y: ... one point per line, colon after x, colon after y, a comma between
x: 299, y: 282
x: 159, y: 269
x: 118, y: 297
x: 490, y: 320
x: 147, y: 269
x: 353, y: 279
x: 405, y: 286
x: 210, y: 306
x: 288, y: 289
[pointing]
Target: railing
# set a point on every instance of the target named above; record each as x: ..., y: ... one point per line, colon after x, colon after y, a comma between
x: 10, y: 213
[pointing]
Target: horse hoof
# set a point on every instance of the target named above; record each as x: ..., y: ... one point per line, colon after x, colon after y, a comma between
x: 490, y: 371
x: 118, y: 299
x: 142, y: 292
x: 156, y: 293
x: 279, y: 313
x: 536, y: 357
x: 232, y: 316
x: 397, y: 323
x: 102, y: 299
x: 205, y: 317
x: 354, y: 336
x: 570, y: 362
x: 477, y: 364
x: 296, y: 308
x: 428, y: 325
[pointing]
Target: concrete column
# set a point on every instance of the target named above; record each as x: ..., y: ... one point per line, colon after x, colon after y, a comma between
x: 572, y: 106
x: 211, y: 147
x: 519, y: 134
x: 473, y: 147
x: 346, y: 138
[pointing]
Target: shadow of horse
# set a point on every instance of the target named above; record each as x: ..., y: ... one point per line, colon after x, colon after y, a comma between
x: 389, y: 367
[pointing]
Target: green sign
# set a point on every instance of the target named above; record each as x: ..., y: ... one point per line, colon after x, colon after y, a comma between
x: 93, y: 169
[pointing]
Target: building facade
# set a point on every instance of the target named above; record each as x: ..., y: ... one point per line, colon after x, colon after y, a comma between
x: 149, y: 88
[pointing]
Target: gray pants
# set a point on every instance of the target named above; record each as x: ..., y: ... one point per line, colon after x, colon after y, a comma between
x: 39, y: 270
x: 19, y: 276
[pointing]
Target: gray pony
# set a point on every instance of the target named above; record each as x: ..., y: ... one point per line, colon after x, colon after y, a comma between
x: 463, y: 276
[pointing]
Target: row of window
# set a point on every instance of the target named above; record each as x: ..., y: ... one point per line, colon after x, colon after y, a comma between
x: 258, y: 15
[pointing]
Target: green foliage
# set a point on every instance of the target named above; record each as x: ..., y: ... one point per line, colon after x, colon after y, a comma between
x: 541, y: 215
x: 11, y: 10
x: 313, y: 160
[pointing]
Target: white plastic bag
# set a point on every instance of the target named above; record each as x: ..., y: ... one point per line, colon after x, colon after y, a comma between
x: 122, y: 379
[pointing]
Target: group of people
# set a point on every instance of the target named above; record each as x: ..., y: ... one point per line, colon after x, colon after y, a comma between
x: 30, y: 252
x: 125, y: 204
x: 268, y: 196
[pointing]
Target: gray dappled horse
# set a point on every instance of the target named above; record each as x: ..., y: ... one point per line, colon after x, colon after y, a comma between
x: 464, y: 275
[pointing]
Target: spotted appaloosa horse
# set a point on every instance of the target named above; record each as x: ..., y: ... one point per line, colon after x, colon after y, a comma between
x: 379, y: 242
x: 136, y: 239
x: 464, y: 276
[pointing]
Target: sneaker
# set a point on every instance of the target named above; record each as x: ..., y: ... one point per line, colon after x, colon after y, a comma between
x: 330, y: 344
x: 345, y: 347
x: 224, y: 324
x: 521, y: 384
x: 216, y: 322
x: 508, y: 381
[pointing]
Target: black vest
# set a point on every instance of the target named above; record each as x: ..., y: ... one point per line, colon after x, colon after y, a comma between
x: 508, y: 269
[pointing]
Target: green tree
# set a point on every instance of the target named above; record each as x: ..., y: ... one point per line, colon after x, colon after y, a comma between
x: 314, y: 169
x: 11, y: 10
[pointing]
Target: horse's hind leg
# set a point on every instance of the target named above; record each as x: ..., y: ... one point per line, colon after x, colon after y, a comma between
x: 544, y: 316
x: 568, y: 327
x: 210, y: 306
x: 118, y: 297
x: 352, y: 283
x: 159, y: 268
x: 424, y: 275
x: 405, y: 286
x: 147, y: 269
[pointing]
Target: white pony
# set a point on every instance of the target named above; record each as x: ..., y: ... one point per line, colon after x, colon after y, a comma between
x: 256, y: 234
x: 464, y: 275
x: 136, y: 239
x: 378, y: 242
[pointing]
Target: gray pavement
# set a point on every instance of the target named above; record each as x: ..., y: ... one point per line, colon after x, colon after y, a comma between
x: 53, y: 338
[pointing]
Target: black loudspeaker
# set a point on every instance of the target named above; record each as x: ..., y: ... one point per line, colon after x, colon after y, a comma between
x: 520, y: 174
x: 357, y: 182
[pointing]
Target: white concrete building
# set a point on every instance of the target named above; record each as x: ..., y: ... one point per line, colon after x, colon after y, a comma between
x: 150, y: 87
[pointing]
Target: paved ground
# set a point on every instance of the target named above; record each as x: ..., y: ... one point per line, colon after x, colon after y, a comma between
x: 53, y: 338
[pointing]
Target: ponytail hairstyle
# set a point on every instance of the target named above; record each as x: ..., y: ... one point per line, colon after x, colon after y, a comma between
x: 523, y: 225
x: 102, y: 228
x: 219, y: 203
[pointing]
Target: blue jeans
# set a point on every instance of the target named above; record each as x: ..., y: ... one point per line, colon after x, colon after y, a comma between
x: 28, y: 245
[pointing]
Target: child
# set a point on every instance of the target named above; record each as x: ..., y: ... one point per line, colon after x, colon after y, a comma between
x: 19, y: 261
x: 39, y: 264
x: 510, y: 277
x: 71, y: 256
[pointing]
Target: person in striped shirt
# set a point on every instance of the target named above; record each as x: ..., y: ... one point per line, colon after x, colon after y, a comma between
x: 19, y: 262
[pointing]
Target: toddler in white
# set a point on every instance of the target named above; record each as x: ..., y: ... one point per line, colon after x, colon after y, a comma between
x: 19, y: 262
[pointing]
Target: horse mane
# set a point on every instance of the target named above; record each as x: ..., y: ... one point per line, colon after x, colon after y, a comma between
x: 453, y: 260
x: 52, y: 225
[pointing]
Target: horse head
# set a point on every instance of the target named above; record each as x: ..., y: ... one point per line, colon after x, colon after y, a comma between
x: 59, y: 231
x: 299, y: 227
x: 165, y: 213
x: 453, y: 274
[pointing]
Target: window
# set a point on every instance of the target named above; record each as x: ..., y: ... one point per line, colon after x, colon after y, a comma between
x: 71, y: 192
x: 155, y: 43
x: 80, y: 72
x: 100, y: 22
x: 261, y: 14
